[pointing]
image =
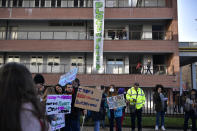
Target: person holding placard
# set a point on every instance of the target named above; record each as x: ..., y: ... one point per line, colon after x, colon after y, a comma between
x: 20, y: 109
x: 58, y: 89
x: 49, y: 91
x: 160, y: 102
x: 136, y: 98
x: 114, y: 113
x: 72, y: 120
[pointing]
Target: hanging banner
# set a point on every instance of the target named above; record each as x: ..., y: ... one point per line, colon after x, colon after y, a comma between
x: 98, y: 10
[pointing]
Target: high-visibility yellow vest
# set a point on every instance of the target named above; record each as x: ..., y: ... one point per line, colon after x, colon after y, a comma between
x: 140, y: 99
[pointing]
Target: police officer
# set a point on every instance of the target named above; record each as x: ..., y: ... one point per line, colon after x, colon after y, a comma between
x: 136, y: 98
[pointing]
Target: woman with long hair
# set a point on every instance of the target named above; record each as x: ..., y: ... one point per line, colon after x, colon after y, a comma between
x: 160, y: 102
x: 20, y: 109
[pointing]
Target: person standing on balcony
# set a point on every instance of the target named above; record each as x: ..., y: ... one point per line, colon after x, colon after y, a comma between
x: 160, y: 102
x: 136, y: 98
x: 190, y: 108
x: 148, y: 67
x: 138, y: 67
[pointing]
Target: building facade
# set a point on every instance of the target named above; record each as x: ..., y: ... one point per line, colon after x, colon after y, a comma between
x: 53, y: 36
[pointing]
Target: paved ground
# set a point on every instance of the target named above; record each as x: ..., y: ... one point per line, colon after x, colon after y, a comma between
x: 125, y: 129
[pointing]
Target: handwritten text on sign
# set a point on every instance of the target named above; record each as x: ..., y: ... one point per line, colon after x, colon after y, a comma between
x: 88, y: 98
x: 116, y: 101
x: 59, y: 123
x: 57, y: 104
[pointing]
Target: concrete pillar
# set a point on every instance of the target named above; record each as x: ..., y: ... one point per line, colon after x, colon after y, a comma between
x: 126, y: 65
x: 181, y: 82
x: 193, y: 75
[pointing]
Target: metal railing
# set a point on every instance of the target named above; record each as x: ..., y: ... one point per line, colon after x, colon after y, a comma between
x: 174, y: 107
x: 85, y: 3
x: 80, y: 35
x: 108, y: 69
x: 188, y: 44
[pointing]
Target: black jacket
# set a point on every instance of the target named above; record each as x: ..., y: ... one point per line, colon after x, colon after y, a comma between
x: 99, y: 115
x: 158, y: 104
x: 75, y: 112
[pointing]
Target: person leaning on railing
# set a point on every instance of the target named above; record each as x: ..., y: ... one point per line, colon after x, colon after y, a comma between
x: 136, y: 98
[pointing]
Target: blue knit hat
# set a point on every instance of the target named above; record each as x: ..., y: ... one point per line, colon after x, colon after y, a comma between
x: 121, y: 91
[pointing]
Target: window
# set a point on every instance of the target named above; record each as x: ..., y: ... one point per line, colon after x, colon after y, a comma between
x: 115, y: 66
x: 36, y: 3
x: 78, y: 62
x: 14, y: 3
x: 136, y: 32
x: 53, y: 64
x: 58, y: 3
x: 36, y: 64
x: 3, y: 3
x: 111, y: 34
x: 53, y: 3
x: 42, y: 3
x: 13, y: 58
x: 158, y: 32
x: 20, y: 3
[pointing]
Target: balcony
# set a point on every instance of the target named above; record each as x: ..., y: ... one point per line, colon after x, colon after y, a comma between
x: 85, y: 3
x: 108, y: 69
x: 113, y: 35
x: 52, y: 10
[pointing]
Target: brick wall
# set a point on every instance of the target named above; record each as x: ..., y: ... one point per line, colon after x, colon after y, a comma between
x: 118, y: 80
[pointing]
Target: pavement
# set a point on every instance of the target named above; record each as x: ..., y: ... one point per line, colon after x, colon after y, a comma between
x: 89, y: 128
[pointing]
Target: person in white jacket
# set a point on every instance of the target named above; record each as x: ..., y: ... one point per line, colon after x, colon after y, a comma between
x: 20, y: 108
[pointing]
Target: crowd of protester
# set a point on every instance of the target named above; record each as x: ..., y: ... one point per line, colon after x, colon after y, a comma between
x: 23, y: 100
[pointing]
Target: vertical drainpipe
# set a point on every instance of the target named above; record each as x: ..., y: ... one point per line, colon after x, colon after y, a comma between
x: 6, y: 31
x: 181, y: 82
x: 85, y: 59
x: 4, y: 57
x: 193, y: 73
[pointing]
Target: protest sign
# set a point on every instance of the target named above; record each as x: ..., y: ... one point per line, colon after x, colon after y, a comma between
x: 88, y: 98
x: 59, y: 123
x: 68, y: 77
x: 116, y: 101
x: 57, y: 104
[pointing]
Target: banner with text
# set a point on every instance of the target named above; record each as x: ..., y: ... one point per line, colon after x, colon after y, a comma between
x: 59, y: 123
x: 68, y: 77
x: 88, y: 98
x: 58, y: 104
x: 116, y: 101
x: 98, y: 10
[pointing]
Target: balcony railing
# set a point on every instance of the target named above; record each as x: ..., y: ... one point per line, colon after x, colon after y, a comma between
x: 84, y: 3
x: 58, y: 35
x: 108, y: 69
x: 187, y: 44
